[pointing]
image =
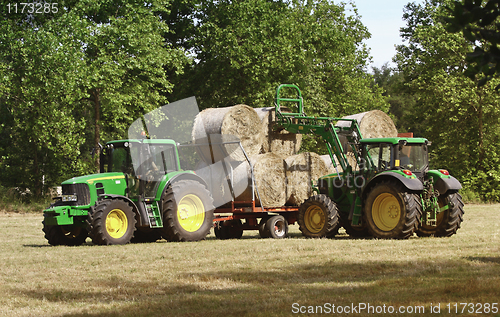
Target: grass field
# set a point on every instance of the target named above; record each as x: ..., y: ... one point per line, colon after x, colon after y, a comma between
x: 253, y: 276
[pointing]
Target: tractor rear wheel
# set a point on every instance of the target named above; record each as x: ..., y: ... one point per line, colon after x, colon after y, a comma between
x: 391, y: 212
x: 318, y: 217
x: 65, y: 235
x: 448, y: 221
x: 111, y: 222
x: 277, y: 227
x: 188, y: 211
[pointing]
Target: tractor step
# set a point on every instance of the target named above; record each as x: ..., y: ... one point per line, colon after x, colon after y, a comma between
x: 153, y: 211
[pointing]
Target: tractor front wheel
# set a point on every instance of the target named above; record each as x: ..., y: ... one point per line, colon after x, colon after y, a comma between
x: 447, y: 221
x: 111, y: 222
x: 188, y: 211
x: 391, y: 212
x: 318, y: 217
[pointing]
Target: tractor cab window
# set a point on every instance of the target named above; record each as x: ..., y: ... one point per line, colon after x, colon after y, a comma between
x: 413, y: 157
x: 117, y: 158
x: 379, y: 156
x: 160, y: 158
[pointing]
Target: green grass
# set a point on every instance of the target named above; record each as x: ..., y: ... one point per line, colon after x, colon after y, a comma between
x: 247, y: 277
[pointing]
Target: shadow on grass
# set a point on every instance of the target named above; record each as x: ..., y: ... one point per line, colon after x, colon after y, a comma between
x: 495, y: 260
x: 266, y: 292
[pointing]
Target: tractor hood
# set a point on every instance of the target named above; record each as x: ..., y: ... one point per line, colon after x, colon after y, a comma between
x: 96, y: 178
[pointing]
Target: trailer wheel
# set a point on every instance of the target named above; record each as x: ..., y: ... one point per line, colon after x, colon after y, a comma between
x: 65, y: 235
x: 262, y: 227
x: 277, y: 227
x: 447, y: 221
x: 318, y: 217
x: 191, y: 217
x: 230, y: 229
x: 111, y: 222
x: 391, y: 212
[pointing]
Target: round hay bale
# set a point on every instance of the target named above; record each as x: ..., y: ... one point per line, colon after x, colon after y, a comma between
x: 373, y: 124
x: 301, y: 169
x: 280, y: 142
x: 270, y: 177
x: 240, y: 121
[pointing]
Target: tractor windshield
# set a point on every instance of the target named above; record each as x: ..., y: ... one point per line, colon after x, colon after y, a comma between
x: 117, y: 158
x: 413, y: 157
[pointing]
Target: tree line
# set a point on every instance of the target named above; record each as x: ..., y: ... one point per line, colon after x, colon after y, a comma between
x: 80, y: 76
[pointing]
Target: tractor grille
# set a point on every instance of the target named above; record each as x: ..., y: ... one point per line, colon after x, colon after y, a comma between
x: 80, y: 190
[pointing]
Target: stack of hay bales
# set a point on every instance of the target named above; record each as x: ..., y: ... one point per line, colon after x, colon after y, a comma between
x: 228, y: 161
x: 282, y: 176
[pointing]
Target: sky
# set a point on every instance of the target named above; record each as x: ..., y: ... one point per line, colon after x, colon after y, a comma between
x: 383, y: 18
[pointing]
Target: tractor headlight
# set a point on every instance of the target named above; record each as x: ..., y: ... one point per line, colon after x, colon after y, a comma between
x: 69, y: 198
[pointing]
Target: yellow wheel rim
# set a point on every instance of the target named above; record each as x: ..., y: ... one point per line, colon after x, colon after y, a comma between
x: 314, y: 219
x: 386, y: 212
x: 191, y: 213
x: 116, y: 223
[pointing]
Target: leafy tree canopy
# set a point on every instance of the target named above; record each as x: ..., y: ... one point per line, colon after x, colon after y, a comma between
x: 479, y: 22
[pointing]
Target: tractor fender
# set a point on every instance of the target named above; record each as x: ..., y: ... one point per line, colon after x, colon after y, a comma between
x: 412, y: 184
x: 186, y: 176
x: 442, y: 185
x: 139, y: 211
x: 103, y: 196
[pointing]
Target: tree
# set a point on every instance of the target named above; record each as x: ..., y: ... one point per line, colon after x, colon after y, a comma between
x: 401, y: 100
x: 244, y: 49
x: 460, y: 118
x: 479, y: 22
x: 69, y: 78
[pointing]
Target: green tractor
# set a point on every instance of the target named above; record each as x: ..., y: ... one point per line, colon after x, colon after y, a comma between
x: 142, y: 193
x: 124, y: 203
x: 383, y: 187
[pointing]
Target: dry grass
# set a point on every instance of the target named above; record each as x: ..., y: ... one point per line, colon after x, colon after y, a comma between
x: 247, y: 277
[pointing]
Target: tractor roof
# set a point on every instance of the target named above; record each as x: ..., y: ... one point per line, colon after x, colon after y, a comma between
x: 147, y: 141
x: 395, y: 140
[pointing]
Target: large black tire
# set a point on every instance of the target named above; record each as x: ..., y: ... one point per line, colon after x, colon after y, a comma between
x: 262, y: 227
x: 448, y: 221
x: 277, y: 227
x: 391, y: 212
x: 318, y: 217
x: 65, y: 235
x: 229, y: 229
x: 354, y: 232
x: 191, y: 217
x: 112, y: 222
